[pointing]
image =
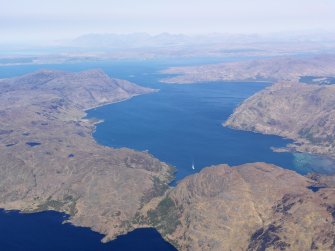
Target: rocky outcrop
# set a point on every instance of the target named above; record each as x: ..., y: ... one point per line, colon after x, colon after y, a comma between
x: 250, y: 207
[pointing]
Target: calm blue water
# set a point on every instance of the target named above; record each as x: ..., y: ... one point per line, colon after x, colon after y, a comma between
x: 45, y: 232
x: 183, y: 123
x: 179, y: 124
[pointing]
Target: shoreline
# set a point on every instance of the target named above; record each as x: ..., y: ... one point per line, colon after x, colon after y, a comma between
x: 293, y: 147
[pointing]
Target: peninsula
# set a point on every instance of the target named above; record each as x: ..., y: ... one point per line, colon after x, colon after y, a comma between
x: 302, y: 112
x: 50, y: 161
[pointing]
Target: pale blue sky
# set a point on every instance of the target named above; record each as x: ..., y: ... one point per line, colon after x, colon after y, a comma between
x: 60, y: 19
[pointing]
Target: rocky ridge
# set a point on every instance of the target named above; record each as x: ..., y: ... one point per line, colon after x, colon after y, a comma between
x: 249, y: 207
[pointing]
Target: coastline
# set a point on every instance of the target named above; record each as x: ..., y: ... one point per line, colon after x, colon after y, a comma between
x: 298, y: 145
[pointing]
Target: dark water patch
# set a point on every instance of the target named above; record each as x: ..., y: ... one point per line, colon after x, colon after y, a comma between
x: 9, y: 145
x: 46, y: 231
x: 315, y: 188
x: 71, y: 155
x: 134, y: 241
x: 33, y: 144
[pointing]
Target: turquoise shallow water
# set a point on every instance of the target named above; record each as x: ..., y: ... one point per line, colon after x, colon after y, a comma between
x: 179, y: 124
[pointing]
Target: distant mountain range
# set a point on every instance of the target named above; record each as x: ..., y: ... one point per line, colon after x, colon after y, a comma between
x: 93, y: 47
x: 143, y: 40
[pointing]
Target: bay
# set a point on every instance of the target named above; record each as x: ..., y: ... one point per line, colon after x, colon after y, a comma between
x: 180, y: 124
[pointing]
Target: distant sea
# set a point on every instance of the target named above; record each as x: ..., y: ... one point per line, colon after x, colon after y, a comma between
x: 180, y: 124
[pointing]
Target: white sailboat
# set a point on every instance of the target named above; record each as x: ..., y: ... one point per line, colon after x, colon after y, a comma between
x: 193, y: 167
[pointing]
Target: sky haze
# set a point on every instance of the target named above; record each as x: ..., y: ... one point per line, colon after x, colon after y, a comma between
x: 45, y: 20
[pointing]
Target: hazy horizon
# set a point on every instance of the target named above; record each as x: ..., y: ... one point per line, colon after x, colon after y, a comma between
x: 38, y: 21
